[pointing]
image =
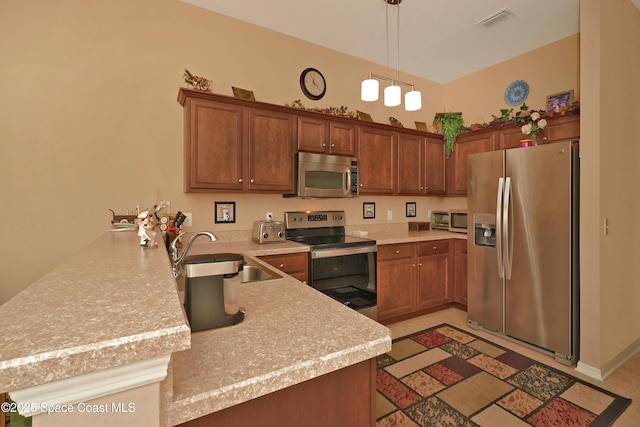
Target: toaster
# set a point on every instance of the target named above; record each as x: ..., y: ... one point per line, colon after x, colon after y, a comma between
x: 268, y: 231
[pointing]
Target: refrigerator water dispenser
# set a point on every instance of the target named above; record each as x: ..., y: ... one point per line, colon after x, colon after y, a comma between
x: 484, y: 230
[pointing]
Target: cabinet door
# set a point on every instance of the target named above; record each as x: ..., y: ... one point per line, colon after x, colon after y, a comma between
x: 460, y: 271
x: 411, y: 164
x: 468, y: 143
x: 342, y: 139
x: 435, y: 166
x: 213, y: 146
x: 271, y: 151
x: 510, y: 137
x: 562, y: 129
x: 396, y: 287
x: 313, y: 135
x: 434, y: 274
x: 377, y: 153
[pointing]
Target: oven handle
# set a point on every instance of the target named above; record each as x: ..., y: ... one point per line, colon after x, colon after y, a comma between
x: 328, y: 253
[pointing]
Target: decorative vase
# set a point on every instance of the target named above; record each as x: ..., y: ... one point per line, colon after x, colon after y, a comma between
x: 526, y: 142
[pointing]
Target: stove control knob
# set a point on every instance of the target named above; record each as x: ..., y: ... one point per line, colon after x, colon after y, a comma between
x: 265, y: 235
x: 279, y: 233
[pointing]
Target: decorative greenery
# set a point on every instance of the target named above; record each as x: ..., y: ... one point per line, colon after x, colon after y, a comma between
x: 452, y: 125
x: 334, y: 111
x: 198, y: 83
x: 505, y: 115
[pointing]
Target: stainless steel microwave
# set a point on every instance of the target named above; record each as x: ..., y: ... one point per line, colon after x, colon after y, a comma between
x: 325, y: 176
x: 458, y: 221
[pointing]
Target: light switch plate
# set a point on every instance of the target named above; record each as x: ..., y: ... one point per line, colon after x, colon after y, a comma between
x: 189, y: 221
x: 389, y: 214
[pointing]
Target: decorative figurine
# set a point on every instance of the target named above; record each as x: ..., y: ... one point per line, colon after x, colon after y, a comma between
x: 146, y: 230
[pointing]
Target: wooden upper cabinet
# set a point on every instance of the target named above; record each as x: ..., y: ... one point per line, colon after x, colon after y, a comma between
x: 234, y: 145
x: 271, y: 137
x: 510, y: 137
x: 213, y: 145
x: 466, y: 144
x: 412, y: 164
x: 325, y: 136
x: 436, y: 166
x: 378, y: 160
x: 561, y: 129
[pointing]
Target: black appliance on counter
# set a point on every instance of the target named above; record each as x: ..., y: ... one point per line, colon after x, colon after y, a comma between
x: 340, y: 266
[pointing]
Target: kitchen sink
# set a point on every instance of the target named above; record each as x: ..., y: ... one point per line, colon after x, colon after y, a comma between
x: 252, y: 273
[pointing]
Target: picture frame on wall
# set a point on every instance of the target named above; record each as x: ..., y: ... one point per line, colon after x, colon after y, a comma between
x: 225, y: 212
x: 411, y: 209
x: 368, y: 210
x: 559, y: 101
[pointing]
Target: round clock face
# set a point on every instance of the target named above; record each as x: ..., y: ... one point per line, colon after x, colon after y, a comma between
x: 313, y: 84
x: 516, y: 92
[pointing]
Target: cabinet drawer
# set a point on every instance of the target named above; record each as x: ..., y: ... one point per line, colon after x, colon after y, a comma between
x: 289, y: 263
x: 389, y: 252
x: 433, y: 247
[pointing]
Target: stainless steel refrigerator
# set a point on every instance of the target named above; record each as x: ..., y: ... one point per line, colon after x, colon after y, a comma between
x: 523, y: 277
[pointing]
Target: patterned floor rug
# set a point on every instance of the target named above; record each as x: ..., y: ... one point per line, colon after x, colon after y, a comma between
x: 444, y: 376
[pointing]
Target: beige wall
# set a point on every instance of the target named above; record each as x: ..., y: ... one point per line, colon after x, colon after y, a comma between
x: 610, y: 151
x: 89, y: 121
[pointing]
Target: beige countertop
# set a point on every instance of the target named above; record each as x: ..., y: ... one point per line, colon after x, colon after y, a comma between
x: 115, y: 303
x: 111, y: 304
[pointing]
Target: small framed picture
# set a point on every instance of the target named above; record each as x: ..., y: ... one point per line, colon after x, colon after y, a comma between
x: 559, y: 101
x: 368, y: 210
x: 243, y: 93
x: 364, y: 116
x: 411, y: 209
x: 225, y: 212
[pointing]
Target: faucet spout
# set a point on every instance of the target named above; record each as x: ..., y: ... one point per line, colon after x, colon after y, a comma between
x: 177, y: 259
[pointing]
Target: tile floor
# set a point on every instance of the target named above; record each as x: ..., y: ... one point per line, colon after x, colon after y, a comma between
x: 625, y: 381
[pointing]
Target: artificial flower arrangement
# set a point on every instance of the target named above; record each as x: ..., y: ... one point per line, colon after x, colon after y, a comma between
x: 535, y: 123
x: 196, y: 82
x: 334, y: 111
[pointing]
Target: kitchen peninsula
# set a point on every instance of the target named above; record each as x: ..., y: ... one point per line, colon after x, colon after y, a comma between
x: 105, y: 331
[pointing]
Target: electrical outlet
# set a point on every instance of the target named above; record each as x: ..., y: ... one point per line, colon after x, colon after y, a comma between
x: 389, y: 214
x: 189, y: 221
x: 269, y: 216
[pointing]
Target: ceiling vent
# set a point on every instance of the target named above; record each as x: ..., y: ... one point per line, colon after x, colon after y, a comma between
x: 496, y: 17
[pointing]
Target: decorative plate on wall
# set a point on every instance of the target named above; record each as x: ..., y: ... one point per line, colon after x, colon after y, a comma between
x: 516, y: 92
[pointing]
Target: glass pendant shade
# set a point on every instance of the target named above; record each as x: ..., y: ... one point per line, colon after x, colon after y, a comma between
x: 413, y: 100
x: 369, y: 90
x: 392, y: 96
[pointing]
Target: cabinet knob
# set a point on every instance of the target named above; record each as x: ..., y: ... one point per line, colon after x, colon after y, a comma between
x: 435, y: 248
x: 397, y: 251
x: 251, y: 180
x: 333, y: 145
x: 324, y: 145
x: 239, y: 179
x: 361, y: 185
x: 544, y: 138
x: 420, y: 265
x: 281, y: 266
x: 413, y: 265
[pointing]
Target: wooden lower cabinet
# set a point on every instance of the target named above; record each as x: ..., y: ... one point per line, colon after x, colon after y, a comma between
x: 413, y: 278
x: 295, y: 265
x: 460, y: 272
x: 434, y: 272
x: 344, y: 398
x: 396, y: 270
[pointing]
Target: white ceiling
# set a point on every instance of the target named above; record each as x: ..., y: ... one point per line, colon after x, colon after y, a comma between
x: 440, y: 40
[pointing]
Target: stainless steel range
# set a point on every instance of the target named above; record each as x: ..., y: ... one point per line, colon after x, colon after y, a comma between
x: 340, y: 266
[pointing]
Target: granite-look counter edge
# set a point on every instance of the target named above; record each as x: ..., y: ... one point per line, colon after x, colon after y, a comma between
x: 111, y: 304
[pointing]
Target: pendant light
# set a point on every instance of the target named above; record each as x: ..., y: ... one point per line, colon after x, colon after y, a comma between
x: 370, y: 88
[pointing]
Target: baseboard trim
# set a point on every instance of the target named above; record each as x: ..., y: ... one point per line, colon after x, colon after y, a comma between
x: 610, y: 367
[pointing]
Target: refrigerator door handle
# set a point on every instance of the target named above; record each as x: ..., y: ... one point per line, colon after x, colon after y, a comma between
x: 506, y: 224
x: 499, y: 227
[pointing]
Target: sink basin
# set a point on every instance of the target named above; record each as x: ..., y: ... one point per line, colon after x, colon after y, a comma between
x: 251, y: 273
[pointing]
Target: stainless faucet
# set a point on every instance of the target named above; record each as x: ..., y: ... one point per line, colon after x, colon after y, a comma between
x: 175, y: 259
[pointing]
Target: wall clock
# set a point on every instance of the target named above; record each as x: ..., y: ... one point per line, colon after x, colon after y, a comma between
x: 313, y: 84
x: 516, y: 92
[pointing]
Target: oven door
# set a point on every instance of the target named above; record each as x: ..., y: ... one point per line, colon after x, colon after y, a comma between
x: 347, y: 275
